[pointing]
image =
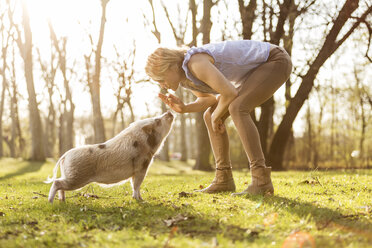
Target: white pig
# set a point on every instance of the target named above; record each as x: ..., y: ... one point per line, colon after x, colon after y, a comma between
x: 127, y: 155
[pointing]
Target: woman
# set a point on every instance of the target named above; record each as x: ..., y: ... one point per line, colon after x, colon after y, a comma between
x: 242, y: 74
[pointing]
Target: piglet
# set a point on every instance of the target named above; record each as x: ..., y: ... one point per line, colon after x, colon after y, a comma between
x: 128, y: 155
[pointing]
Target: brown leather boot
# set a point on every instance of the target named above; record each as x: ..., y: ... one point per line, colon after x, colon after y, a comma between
x: 261, y: 182
x: 222, y: 182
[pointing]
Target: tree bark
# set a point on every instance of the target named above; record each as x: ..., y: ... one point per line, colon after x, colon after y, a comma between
x: 16, y: 131
x: 98, y: 124
x: 248, y: 16
x: 37, y: 145
x: 66, y: 120
x: 203, y: 144
x: 2, y: 99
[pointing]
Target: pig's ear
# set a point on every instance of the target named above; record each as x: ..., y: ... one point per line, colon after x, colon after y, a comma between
x: 148, y: 128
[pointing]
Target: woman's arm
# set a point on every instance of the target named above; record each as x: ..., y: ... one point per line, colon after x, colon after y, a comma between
x: 201, y: 65
x: 202, y: 102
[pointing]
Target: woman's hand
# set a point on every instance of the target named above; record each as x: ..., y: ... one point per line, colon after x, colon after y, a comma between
x: 173, y: 102
x: 217, y: 125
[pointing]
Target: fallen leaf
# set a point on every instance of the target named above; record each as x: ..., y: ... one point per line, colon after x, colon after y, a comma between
x: 173, y: 221
x: 171, y: 234
x: 184, y: 194
x: 32, y: 223
x: 300, y: 240
x: 37, y: 193
x: 87, y: 195
x: 312, y: 182
x: 253, y: 233
x: 270, y: 219
x: 201, y: 186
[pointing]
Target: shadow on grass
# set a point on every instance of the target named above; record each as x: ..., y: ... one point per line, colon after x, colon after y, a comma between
x: 324, y: 217
x: 29, y: 167
x: 157, y: 219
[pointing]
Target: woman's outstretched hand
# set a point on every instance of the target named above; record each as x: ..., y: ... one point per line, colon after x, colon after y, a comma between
x: 173, y: 102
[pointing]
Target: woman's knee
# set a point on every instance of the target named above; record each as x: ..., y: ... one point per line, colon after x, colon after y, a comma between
x: 207, y: 116
x: 237, y: 107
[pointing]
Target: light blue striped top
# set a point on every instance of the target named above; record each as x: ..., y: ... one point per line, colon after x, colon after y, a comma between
x: 234, y: 59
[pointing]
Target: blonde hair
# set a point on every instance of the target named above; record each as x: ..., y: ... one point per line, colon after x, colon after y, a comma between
x: 161, y: 60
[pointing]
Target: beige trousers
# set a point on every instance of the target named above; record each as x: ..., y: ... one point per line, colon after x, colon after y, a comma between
x: 257, y: 87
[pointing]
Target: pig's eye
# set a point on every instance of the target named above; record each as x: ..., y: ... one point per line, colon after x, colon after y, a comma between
x: 157, y: 121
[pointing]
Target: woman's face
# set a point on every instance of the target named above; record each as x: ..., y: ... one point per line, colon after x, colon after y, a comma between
x: 171, y: 79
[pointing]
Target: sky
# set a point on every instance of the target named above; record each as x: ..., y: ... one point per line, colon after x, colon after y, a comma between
x: 76, y: 19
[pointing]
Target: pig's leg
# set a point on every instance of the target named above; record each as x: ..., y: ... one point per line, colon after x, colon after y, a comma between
x: 61, y: 195
x: 57, y: 185
x: 53, y: 191
x: 136, y: 181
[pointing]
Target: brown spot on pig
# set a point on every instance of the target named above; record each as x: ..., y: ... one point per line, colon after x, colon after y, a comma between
x: 145, y: 163
x: 151, y: 140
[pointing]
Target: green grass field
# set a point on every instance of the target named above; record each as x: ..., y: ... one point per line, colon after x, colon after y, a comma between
x: 333, y: 208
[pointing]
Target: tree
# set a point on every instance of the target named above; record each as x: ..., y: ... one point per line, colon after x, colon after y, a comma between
x: 66, y: 119
x: 5, y: 38
x: 25, y: 47
x: 164, y: 153
x: 330, y: 45
x: 179, y: 36
x: 48, y: 70
x: 93, y: 77
x: 124, y: 69
x: 203, y: 144
x: 16, y: 132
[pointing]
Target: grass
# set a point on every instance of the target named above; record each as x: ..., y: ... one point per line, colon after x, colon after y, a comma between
x: 334, y: 208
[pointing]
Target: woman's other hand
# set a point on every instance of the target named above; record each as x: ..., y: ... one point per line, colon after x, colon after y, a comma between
x: 173, y: 102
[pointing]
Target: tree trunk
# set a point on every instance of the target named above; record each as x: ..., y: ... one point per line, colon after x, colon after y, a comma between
x: 362, y: 116
x: 66, y: 141
x: 37, y: 145
x: 204, y: 147
x: 309, y: 147
x: 61, y: 134
x: 98, y: 124
x: 2, y: 99
x: 16, y: 126
x: 248, y: 16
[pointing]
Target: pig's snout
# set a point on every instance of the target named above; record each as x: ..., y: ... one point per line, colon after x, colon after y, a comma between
x: 169, y: 115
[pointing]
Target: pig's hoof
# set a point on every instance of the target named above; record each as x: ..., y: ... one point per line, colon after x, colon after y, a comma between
x: 138, y: 198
